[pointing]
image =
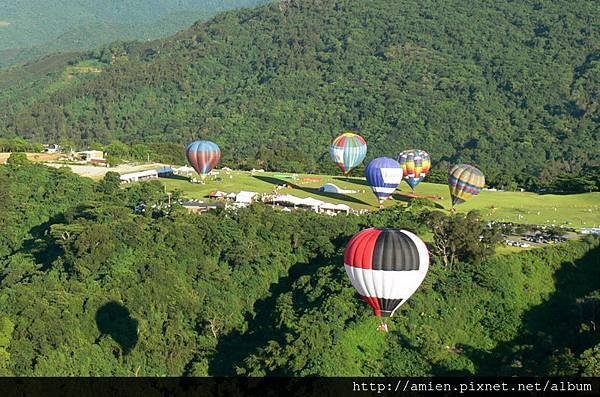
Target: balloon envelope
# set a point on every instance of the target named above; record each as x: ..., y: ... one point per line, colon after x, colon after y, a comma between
x: 386, y: 266
x: 415, y: 165
x: 464, y: 181
x: 384, y: 175
x: 203, y: 156
x: 348, y: 151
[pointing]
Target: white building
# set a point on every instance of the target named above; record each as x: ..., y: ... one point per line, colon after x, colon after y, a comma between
x: 139, y: 176
x: 591, y: 230
x: 89, y: 155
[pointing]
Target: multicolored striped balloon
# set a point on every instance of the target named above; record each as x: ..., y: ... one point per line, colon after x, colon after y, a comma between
x: 203, y: 156
x: 348, y: 151
x: 384, y: 175
x: 464, y: 181
x: 415, y: 165
x: 386, y: 266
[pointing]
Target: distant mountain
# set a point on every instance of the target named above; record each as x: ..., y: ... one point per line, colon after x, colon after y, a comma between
x: 31, y: 28
x: 512, y: 87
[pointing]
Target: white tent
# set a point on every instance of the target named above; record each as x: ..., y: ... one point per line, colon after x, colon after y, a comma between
x: 245, y: 197
x: 311, y: 202
x: 335, y: 207
x: 287, y: 198
x: 331, y: 188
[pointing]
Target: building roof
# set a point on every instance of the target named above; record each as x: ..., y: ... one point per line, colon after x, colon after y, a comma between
x: 185, y: 168
x: 139, y: 174
x: 90, y: 151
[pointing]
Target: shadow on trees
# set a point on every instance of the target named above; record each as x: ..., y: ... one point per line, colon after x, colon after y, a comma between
x: 114, y: 319
x: 312, y: 190
x: 234, y: 347
x: 43, y: 248
x: 551, y: 327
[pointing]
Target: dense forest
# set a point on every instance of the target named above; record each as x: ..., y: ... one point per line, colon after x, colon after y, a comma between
x: 70, y: 25
x: 90, y: 287
x: 511, y: 87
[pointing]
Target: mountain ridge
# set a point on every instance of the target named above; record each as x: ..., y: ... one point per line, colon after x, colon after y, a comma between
x: 75, y: 25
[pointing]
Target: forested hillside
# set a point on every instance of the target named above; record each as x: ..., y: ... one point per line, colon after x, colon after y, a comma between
x: 89, y: 287
x: 30, y: 28
x: 511, y: 87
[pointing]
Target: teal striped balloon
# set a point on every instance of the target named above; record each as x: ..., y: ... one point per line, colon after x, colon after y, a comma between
x: 348, y: 151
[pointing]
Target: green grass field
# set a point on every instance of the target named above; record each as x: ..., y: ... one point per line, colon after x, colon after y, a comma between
x: 576, y: 210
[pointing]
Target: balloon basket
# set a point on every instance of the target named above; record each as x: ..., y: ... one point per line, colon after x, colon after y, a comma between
x: 383, y: 327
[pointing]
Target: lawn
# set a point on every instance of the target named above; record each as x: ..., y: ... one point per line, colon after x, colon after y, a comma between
x: 576, y: 210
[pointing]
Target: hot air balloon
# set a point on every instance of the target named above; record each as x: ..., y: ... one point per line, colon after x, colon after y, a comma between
x: 465, y: 181
x: 348, y: 151
x: 386, y: 266
x: 415, y: 165
x: 203, y: 156
x: 384, y: 175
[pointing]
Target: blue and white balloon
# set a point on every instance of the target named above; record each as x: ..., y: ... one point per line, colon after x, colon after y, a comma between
x: 384, y: 175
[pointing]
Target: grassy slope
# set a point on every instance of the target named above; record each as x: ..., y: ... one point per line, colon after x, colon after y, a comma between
x: 362, y: 344
x: 583, y: 210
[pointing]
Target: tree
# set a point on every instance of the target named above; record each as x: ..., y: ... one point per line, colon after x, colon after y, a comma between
x: 118, y: 150
x: 18, y: 158
x: 110, y: 183
x: 590, y: 362
x: 6, y: 331
x: 459, y: 237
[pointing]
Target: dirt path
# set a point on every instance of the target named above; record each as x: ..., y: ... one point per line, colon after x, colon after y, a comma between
x: 94, y: 172
x: 35, y: 157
